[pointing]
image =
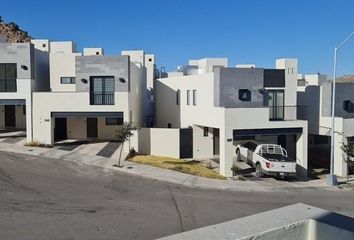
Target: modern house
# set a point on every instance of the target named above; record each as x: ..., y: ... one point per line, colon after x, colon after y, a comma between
x: 315, y: 92
x: 90, y: 94
x: 24, y: 69
x: 219, y: 106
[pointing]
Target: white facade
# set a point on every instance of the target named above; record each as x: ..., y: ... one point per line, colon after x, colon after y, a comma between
x: 190, y: 101
x: 74, y: 101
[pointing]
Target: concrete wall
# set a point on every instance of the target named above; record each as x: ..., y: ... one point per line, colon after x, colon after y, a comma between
x: 62, y: 65
x: 228, y: 81
x: 202, y: 145
x: 290, y: 66
x: 137, y: 95
x: 159, y: 142
x: 310, y: 98
x: 344, y: 91
x: 87, y: 66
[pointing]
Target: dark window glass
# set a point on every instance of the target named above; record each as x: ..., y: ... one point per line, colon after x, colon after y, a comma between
x: 169, y: 125
x: 244, y: 95
x: 178, y: 97
x: 24, y: 109
x: 206, y: 130
x: 348, y: 106
x: 2, y: 71
x: 8, y: 75
x: 194, y: 97
x: 114, y: 121
x: 11, y: 71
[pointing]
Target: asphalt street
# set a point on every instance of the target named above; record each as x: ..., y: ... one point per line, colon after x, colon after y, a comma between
x: 44, y: 198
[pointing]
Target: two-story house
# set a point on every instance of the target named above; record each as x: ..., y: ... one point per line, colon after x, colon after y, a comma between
x: 221, y: 106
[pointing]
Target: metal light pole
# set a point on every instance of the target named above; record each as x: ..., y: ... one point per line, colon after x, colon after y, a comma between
x: 331, y: 178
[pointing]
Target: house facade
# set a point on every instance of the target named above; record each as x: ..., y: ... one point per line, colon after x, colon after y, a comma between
x: 23, y: 70
x: 316, y: 94
x: 90, y: 95
x: 221, y: 106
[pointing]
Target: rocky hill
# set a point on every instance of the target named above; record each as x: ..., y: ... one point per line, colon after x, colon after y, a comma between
x: 346, y: 78
x: 11, y: 33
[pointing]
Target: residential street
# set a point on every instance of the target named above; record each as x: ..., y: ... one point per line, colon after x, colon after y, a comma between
x: 44, y: 198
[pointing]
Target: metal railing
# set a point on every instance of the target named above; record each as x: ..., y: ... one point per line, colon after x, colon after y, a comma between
x: 287, y: 113
x: 8, y: 85
x: 101, y: 98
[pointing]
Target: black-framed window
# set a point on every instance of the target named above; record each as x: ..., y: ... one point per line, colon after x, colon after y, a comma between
x: 114, y: 121
x: 102, y: 90
x: 194, y: 97
x: 348, y: 106
x: 178, y: 97
x: 244, y: 95
x: 169, y: 125
x: 8, y: 76
x: 67, y: 80
x: 205, y: 131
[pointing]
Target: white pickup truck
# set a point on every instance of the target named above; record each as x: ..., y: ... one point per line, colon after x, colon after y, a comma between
x: 269, y: 159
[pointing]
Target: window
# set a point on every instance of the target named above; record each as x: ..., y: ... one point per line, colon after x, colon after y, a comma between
x: 348, y: 106
x: 178, y: 97
x: 205, y: 131
x: 44, y: 45
x: 244, y: 95
x: 8, y: 75
x: 97, y: 53
x: 169, y: 125
x: 114, y: 121
x: 102, y: 90
x: 276, y: 104
x: 24, y: 109
x: 194, y: 97
x: 188, y: 97
x: 67, y: 80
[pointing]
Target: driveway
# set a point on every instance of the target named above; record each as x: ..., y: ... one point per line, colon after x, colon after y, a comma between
x: 47, y: 198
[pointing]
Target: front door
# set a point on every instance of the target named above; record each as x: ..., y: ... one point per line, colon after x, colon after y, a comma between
x: 92, y: 128
x: 60, y: 129
x: 10, y: 117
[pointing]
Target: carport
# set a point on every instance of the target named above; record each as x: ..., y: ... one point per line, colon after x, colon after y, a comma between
x: 86, y: 125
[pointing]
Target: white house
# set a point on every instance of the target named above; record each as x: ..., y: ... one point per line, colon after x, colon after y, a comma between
x: 315, y: 92
x: 23, y: 69
x: 219, y: 106
x: 90, y: 94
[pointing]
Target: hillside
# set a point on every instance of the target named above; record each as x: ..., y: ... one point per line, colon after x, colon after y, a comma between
x: 11, y: 33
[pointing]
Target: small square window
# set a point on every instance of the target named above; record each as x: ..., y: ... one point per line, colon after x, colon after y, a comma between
x: 348, y: 106
x: 169, y: 125
x: 114, y: 121
x: 44, y: 45
x: 205, y: 131
x: 244, y: 95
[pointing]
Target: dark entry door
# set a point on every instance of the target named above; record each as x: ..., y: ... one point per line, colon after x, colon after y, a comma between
x: 10, y: 117
x: 60, y: 129
x: 186, y: 143
x: 92, y: 128
x: 216, y: 141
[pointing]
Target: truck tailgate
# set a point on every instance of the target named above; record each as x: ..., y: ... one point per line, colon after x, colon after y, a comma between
x: 285, y: 167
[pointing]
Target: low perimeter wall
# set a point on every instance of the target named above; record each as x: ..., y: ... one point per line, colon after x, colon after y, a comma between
x: 158, y: 141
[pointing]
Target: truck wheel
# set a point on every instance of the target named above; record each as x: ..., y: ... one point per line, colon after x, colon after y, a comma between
x: 259, y: 172
x: 238, y: 155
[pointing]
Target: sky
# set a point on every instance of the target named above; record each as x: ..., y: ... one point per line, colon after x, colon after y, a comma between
x: 253, y: 32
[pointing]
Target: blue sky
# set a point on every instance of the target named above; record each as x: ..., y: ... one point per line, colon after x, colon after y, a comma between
x: 244, y: 31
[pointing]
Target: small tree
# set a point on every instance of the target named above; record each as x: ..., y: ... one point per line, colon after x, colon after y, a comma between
x: 348, y: 149
x: 122, y: 135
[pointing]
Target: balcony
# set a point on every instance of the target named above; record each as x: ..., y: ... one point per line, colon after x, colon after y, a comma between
x: 8, y: 85
x: 287, y: 113
x: 101, y: 98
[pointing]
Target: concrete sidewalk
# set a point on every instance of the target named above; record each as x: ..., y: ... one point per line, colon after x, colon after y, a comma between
x: 164, y: 174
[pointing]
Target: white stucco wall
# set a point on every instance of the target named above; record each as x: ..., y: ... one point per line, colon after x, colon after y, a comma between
x: 62, y: 65
x: 159, y: 142
x: 290, y: 66
x: 137, y: 94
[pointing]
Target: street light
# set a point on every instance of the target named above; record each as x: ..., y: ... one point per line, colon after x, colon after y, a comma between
x: 331, y: 178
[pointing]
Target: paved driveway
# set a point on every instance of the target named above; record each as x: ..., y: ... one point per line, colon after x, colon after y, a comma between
x: 45, y: 198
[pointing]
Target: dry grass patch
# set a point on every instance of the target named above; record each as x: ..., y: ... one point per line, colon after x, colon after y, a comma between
x: 190, y: 167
